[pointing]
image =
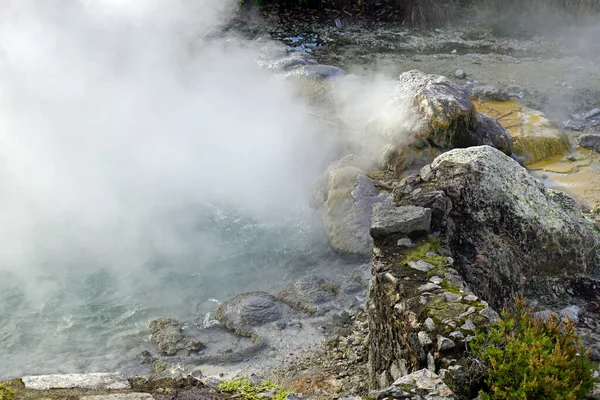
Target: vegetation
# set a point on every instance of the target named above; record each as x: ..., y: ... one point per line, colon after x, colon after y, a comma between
x: 245, y: 389
x: 6, y: 393
x: 528, y: 358
x: 419, y: 252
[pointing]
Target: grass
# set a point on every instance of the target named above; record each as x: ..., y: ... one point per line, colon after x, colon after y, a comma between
x: 6, y: 393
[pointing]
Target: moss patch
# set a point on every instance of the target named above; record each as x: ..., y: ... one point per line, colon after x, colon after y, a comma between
x: 245, y: 389
x: 419, y: 252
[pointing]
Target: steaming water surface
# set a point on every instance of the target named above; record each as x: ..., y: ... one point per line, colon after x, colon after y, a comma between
x: 94, y: 318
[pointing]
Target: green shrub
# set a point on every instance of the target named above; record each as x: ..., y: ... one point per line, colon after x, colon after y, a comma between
x: 528, y: 358
x: 6, y: 393
x: 245, y: 389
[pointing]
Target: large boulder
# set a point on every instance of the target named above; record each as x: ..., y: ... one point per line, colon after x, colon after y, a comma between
x: 506, y: 231
x: 344, y: 198
x: 431, y: 110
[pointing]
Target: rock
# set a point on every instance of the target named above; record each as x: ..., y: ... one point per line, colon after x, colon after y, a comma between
x: 316, y: 71
x: 572, y: 313
x: 309, y: 294
x: 460, y: 74
x: 119, y: 396
x: 92, y: 381
x: 490, y: 314
x: 443, y: 343
x: 429, y: 324
x: 590, y: 141
x: 443, y: 114
x: 344, y: 199
x: 471, y: 297
x: 427, y: 381
x: 488, y: 132
x: 421, y: 265
x: 534, y: 137
x: 166, y: 333
x: 468, y: 326
x: 289, y: 62
x: 452, y: 297
x: 389, y: 219
x: 497, y: 210
x: 486, y: 92
x: 592, y: 114
x: 424, y: 338
x: 248, y: 310
x: 405, y: 242
x: 428, y: 287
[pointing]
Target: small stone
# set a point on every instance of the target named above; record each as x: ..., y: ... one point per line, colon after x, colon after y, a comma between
x: 572, y: 313
x: 376, y: 251
x: 471, y: 297
x: 431, y: 254
x: 469, y: 311
x: 452, y: 297
x: 436, y: 279
x: 589, y: 141
x: 450, y: 260
x: 460, y: 74
x: 457, y: 336
x: 428, y: 287
x: 443, y: 343
x: 468, y: 326
x: 338, y: 23
x: 490, y: 314
x: 429, y: 324
x: 423, y: 300
x: 424, y: 338
x: 421, y: 265
x: 281, y: 325
x: 405, y: 242
x: 430, y: 362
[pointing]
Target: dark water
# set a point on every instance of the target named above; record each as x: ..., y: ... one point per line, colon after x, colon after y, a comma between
x: 82, y: 317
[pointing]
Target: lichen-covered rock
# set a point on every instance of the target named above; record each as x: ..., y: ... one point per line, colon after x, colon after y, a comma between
x: 246, y: 311
x: 310, y: 294
x: 504, y: 228
x: 344, y: 198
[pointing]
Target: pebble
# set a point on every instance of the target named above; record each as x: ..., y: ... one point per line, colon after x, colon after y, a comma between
x: 429, y: 324
x: 421, y: 265
x: 460, y: 74
x: 443, y: 343
x: 424, y: 338
x: 452, y: 297
x: 468, y: 326
x: 428, y: 286
x: 405, y: 242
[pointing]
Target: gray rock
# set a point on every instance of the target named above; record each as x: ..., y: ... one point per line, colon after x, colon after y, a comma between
x: 452, y: 297
x: 590, y: 141
x: 460, y: 74
x: 119, y: 396
x: 309, y: 294
x: 490, y: 314
x: 429, y: 287
x: 388, y: 219
x: 421, y: 265
x: 424, y: 338
x: 443, y: 343
x: 93, y: 381
x: 429, y: 324
x: 344, y: 199
x: 572, y: 313
x: 592, y: 114
x: 457, y: 336
x: 471, y: 297
x: 248, y: 310
x: 316, y: 71
x: 405, y: 242
x: 166, y: 333
x: 425, y: 380
x: 486, y: 130
x: 486, y: 92
x: 468, y: 326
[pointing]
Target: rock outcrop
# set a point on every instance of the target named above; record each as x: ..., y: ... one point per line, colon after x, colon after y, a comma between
x: 590, y: 141
x: 496, y: 231
x: 505, y: 229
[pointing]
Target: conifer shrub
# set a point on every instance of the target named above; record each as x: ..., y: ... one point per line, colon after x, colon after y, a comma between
x: 528, y: 358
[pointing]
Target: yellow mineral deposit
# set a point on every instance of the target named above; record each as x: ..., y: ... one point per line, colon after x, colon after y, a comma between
x: 546, y: 150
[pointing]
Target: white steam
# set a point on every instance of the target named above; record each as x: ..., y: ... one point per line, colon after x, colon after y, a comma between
x: 114, y: 114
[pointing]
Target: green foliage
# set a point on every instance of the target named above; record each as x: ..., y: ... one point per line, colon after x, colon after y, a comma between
x: 245, y: 389
x: 6, y: 393
x: 528, y: 358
